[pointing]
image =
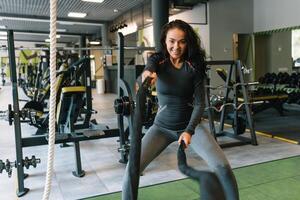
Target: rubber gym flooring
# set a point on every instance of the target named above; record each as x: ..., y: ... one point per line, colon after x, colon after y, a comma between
x: 274, y: 180
x: 286, y: 127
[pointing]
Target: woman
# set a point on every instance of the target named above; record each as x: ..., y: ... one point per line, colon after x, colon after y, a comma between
x: 179, y: 74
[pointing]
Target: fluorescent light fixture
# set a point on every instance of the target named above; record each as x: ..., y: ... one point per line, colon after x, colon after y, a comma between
x: 76, y: 14
x: 47, y: 21
x: 3, y: 33
x: 71, y: 23
x: 116, y: 10
x: 47, y: 34
x: 61, y: 30
x: 66, y: 23
x: 94, y: 1
x: 57, y: 36
x: 94, y: 42
x: 25, y: 19
x: 149, y: 20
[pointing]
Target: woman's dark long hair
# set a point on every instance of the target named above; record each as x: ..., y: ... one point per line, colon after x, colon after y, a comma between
x: 194, y: 53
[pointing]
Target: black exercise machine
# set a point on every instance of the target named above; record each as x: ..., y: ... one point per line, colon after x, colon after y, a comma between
x: 67, y: 117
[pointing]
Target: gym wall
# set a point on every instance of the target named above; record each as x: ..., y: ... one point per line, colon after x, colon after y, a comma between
x: 275, y: 14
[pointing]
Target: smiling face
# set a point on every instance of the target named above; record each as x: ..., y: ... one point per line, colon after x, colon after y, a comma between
x: 175, y: 43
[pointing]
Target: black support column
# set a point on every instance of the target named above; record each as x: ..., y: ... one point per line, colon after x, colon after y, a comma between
x: 82, y: 45
x: 160, y: 16
x: 21, y: 190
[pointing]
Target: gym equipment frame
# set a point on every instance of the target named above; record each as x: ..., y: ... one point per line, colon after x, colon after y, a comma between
x: 84, y: 133
x: 241, y: 140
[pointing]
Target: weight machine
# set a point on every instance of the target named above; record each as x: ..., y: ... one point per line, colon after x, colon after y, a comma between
x: 68, y: 131
x: 125, y: 104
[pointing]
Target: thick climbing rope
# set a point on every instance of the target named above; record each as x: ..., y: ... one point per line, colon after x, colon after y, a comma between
x: 51, y: 144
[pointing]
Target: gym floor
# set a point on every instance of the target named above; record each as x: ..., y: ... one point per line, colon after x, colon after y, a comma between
x: 100, y: 159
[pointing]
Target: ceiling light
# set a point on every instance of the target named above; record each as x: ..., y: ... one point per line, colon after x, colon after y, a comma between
x: 149, y: 20
x: 57, y: 36
x: 94, y: 42
x: 47, y: 34
x: 62, y: 22
x: 116, y: 10
x: 71, y: 23
x: 66, y: 23
x: 47, y: 40
x: 94, y: 1
x: 3, y: 33
x: 76, y: 14
x: 61, y: 30
x: 3, y: 38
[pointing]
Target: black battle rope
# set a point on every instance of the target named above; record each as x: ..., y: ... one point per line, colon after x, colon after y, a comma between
x: 131, y: 189
x: 210, y: 186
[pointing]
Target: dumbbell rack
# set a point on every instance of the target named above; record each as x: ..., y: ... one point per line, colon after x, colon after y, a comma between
x: 239, y: 140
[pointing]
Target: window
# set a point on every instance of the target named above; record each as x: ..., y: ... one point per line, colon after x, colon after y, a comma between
x: 296, y: 47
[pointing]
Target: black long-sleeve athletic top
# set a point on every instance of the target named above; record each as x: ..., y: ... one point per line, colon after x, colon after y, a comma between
x: 180, y: 92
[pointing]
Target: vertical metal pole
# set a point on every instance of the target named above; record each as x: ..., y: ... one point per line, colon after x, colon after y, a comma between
x: 120, y: 62
x: 124, y: 156
x: 211, y: 121
x: 235, y: 99
x: 227, y: 90
x: 246, y: 101
x: 78, y: 171
x: 18, y: 134
x: 253, y: 74
x: 88, y: 93
x: 82, y: 45
x: 86, y: 79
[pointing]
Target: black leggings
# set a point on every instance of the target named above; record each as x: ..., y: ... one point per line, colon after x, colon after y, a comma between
x: 157, y: 139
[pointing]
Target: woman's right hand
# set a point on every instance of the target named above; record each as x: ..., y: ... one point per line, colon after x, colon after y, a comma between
x: 147, y: 73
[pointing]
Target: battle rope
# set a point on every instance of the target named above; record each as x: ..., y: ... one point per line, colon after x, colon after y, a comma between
x: 51, y: 144
x: 130, y: 192
x: 210, y: 185
x: 211, y: 188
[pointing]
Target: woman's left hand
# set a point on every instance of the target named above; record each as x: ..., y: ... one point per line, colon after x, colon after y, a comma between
x: 186, y: 137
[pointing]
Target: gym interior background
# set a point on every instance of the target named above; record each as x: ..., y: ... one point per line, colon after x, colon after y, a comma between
x: 263, y: 35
